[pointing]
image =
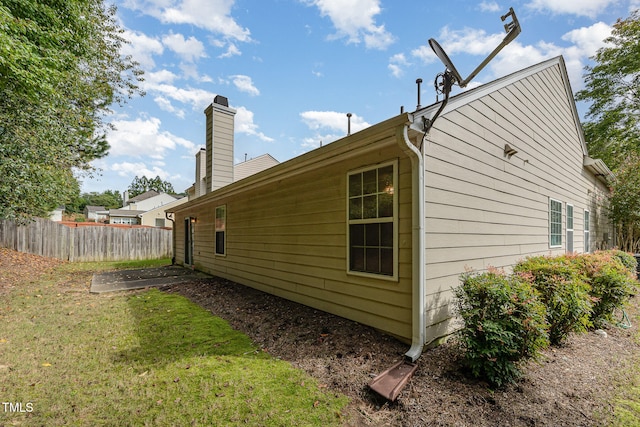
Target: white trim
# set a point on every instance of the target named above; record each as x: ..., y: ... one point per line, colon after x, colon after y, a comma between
x: 393, y: 220
x: 551, y: 199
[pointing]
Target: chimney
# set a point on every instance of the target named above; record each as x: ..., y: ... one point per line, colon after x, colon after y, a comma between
x: 201, y: 173
x: 219, y: 151
x: 125, y: 198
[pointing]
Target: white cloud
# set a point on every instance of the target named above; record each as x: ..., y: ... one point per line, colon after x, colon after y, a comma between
x: 188, y: 49
x: 166, y: 105
x: 143, y: 138
x: 159, y: 77
x: 396, y: 64
x: 589, y: 8
x: 129, y: 169
x: 142, y: 48
x: 194, y: 97
x: 245, y: 84
x: 333, y: 120
x: 489, y: 6
x: 232, y: 50
x: 244, y: 124
x: 355, y: 20
x: 589, y: 39
x: 212, y: 15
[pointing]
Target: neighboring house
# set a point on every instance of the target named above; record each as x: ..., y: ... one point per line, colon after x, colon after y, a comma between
x: 157, y: 217
x: 95, y: 213
x: 240, y: 171
x: 378, y: 226
x: 253, y: 166
x: 148, y: 200
x: 125, y: 216
x: 56, y: 214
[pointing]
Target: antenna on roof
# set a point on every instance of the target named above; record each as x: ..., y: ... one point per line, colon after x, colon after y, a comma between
x: 444, y: 81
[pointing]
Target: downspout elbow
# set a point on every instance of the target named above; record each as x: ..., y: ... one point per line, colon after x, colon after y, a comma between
x: 418, y: 327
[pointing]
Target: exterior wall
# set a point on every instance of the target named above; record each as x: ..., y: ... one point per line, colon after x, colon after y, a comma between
x: 286, y: 233
x: 484, y: 209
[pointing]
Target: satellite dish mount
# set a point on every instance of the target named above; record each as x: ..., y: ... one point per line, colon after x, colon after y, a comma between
x: 444, y: 81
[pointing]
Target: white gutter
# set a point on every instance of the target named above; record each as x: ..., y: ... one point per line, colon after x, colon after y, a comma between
x: 417, y: 242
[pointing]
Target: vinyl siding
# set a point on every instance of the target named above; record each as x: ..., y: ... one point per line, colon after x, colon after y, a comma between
x: 287, y: 235
x: 483, y: 209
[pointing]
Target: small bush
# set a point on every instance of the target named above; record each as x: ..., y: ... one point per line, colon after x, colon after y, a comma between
x: 628, y: 260
x: 609, y: 274
x: 564, y: 292
x: 504, y: 324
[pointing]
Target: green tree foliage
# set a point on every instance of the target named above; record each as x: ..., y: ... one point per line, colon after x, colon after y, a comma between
x: 110, y: 199
x: 624, y: 203
x: 142, y: 184
x: 613, y: 88
x: 60, y: 70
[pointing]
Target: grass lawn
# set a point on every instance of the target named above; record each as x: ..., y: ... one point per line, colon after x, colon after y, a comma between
x: 68, y: 357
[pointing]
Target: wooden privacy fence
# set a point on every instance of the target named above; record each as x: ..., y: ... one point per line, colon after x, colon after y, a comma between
x: 50, y: 239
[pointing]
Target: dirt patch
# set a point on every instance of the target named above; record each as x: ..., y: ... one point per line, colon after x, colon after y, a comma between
x: 22, y: 267
x: 570, y: 386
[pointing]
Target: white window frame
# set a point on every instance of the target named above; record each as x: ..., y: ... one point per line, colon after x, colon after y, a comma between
x: 586, y: 219
x: 393, y: 220
x: 552, y: 222
x: 220, y: 228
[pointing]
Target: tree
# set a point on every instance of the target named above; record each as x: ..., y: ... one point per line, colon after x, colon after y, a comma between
x: 624, y: 203
x: 613, y: 88
x: 60, y: 70
x: 142, y: 184
x: 110, y: 199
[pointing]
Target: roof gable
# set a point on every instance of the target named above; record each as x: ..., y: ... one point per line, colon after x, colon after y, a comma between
x: 471, y: 95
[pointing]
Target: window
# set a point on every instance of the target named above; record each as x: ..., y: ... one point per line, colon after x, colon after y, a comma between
x: 555, y: 223
x: 372, y: 226
x: 587, y: 231
x: 221, y: 225
x: 569, y: 228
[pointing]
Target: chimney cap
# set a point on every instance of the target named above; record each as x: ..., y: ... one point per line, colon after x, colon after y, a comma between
x: 221, y: 100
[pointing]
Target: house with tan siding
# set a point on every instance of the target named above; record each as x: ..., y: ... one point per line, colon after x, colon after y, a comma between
x: 378, y: 226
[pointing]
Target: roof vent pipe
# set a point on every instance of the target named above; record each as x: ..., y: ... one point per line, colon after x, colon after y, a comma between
x: 418, y: 82
x: 348, y: 124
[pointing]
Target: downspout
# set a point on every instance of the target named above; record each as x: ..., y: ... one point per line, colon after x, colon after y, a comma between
x: 417, y: 243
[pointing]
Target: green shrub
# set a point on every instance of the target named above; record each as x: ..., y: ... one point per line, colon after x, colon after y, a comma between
x: 628, y: 260
x: 564, y: 292
x: 609, y: 274
x: 504, y: 324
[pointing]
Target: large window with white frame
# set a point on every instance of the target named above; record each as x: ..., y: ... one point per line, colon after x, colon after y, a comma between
x: 555, y: 223
x: 587, y: 231
x: 372, y: 221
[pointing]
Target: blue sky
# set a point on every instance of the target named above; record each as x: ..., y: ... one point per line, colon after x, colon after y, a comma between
x: 293, y: 68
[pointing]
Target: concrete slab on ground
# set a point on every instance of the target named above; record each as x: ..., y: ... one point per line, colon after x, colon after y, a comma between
x: 125, y: 280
